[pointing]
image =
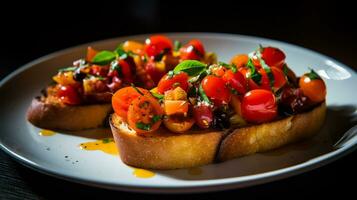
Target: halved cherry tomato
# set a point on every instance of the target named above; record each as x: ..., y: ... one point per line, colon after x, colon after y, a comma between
x: 145, y: 114
x: 178, y: 125
x: 69, y: 94
x: 122, y: 99
x: 168, y: 83
x: 313, y: 88
x: 218, y: 71
x: 240, y: 60
x: 157, y: 44
x: 236, y: 80
x: 259, y: 106
x: 216, y: 89
x: 273, y: 57
x: 91, y: 52
x: 203, y: 115
x: 194, y: 50
x: 279, y: 79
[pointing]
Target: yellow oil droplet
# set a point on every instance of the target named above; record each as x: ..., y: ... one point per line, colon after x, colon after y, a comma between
x: 45, y: 132
x: 195, y: 171
x: 106, y: 145
x: 143, y: 173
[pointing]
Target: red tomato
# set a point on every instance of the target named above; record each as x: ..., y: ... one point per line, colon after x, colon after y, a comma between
x: 168, y: 83
x: 236, y: 80
x: 203, y: 115
x: 142, y: 113
x: 157, y: 44
x: 259, y: 106
x: 194, y: 50
x: 252, y: 85
x: 218, y: 71
x: 69, y: 95
x: 279, y: 79
x: 155, y: 73
x: 216, y: 89
x: 273, y: 57
x: 314, y: 89
x: 122, y: 99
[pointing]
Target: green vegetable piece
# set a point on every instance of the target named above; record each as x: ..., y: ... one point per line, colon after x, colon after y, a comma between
x: 191, y: 67
x: 104, y: 58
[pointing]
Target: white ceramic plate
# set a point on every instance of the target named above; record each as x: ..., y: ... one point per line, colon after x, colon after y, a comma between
x: 48, y: 154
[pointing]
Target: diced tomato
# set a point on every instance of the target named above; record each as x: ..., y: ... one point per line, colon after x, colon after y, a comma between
x: 278, y: 78
x: 203, y: 115
x: 133, y: 46
x: 155, y: 71
x: 175, y: 107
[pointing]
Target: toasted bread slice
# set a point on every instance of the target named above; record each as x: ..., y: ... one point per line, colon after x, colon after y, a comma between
x: 166, y: 150
x: 268, y: 136
x: 47, y: 113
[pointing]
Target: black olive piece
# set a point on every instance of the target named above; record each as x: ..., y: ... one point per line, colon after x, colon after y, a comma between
x: 220, y: 120
x: 78, y: 75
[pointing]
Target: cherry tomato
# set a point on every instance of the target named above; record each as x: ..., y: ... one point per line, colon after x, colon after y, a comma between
x: 69, y: 94
x: 145, y: 114
x: 155, y: 72
x: 259, y: 106
x: 218, y: 71
x: 240, y: 60
x: 279, y: 78
x: 252, y: 85
x: 157, y: 44
x: 216, y: 89
x: 122, y: 99
x: 314, y: 89
x: 236, y: 80
x: 203, y: 115
x: 273, y: 57
x: 194, y: 50
x: 168, y: 83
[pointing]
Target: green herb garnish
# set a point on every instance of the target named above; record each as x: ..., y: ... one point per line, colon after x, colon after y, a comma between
x: 313, y: 75
x: 191, y: 67
x: 143, y: 126
x: 285, y: 70
x: 104, y: 58
x: 158, y: 96
x: 268, y: 71
x: 67, y: 69
x: 177, y: 45
x: 133, y: 86
x: 155, y: 119
x: 203, y: 94
x: 254, y: 75
x: 232, y: 67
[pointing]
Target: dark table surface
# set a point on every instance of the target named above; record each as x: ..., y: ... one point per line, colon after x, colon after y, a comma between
x: 327, y: 28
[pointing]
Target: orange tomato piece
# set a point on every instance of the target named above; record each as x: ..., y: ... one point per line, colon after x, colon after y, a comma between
x: 175, y: 106
x: 91, y: 52
x: 240, y: 60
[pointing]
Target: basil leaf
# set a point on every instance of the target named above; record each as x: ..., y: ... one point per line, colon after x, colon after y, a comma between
x: 177, y: 45
x: 232, y: 67
x: 67, y: 69
x: 285, y: 70
x: 155, y: 119
x: 120, y: 52
x: 267, y: 71
x: 254, y: 75
x: 203, y: 94
x: 143, y: 126
x: 104, y: 58
x: 191, y: 67
x: 313, y: 75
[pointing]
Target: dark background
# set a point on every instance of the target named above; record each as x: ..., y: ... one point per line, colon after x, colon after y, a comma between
x: 29, y: 31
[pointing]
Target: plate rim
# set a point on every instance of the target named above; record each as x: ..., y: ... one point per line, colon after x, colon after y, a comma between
x: 194, y: 186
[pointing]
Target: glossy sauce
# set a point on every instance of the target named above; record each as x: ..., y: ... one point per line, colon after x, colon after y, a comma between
x: 106, y: 145
x: 143, y: 173
x: 195, y: 171
x: 45, y: 132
